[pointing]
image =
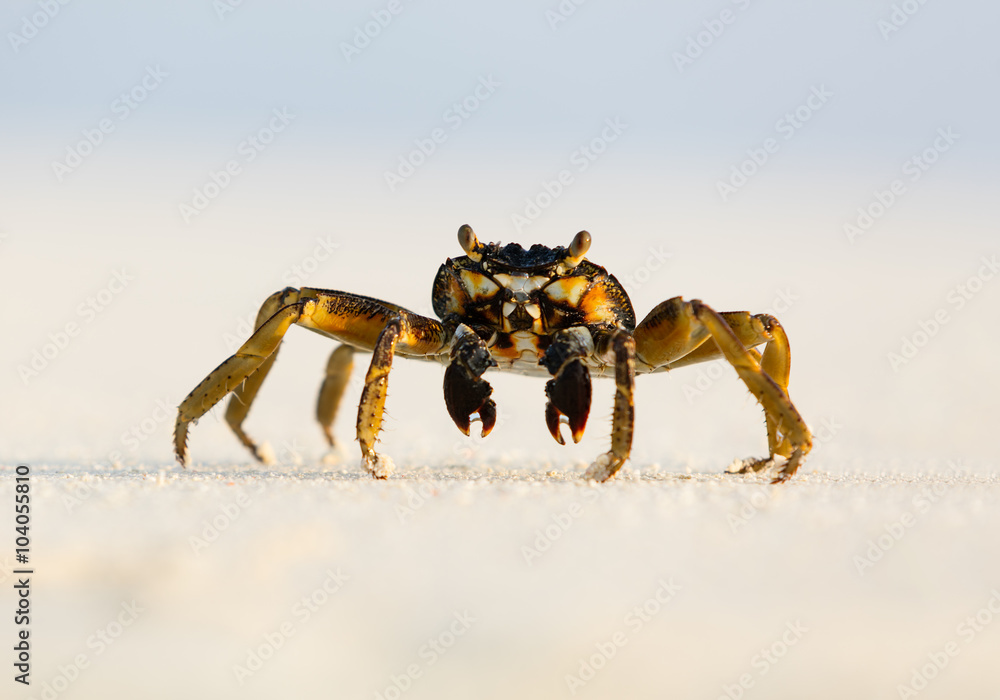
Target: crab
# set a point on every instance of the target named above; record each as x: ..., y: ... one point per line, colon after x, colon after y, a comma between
x: 541, y: 311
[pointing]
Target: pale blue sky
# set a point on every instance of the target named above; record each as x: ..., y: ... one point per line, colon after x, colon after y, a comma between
x: 551, y: 92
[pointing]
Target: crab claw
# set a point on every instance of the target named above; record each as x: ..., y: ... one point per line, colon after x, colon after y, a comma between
x: 569, y: 400
x: 466, y: 394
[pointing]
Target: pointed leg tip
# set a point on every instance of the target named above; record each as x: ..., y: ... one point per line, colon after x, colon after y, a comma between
x: 379, y: 466
x: 328, y: 434
x: 604, y: 467
x: 264, y: 454
x: 180, y: 442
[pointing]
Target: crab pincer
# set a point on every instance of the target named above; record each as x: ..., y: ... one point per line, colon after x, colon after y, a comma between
x: 465, y: 392
x: 569, y: 400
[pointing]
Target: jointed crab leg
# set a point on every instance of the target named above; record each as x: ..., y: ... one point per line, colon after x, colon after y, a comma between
x: 230, y: 374
x: 246, y: 392
x: 776, y: 362
x: 338, y: 373
x: 752, y: 330
x: 372, y: 404
x: 676, y: 333
x: 362, y: 322
x: 620, y: 345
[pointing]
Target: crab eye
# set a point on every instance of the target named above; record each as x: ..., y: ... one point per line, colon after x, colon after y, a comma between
x: 470, y: 244
x: 578, y: 248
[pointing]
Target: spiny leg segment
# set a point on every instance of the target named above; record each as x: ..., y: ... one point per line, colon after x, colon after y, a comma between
x: 619, y: 346
x: 246, y: 391
x: 361, y: 322
x: 252, y: 356
x: 372, y: 406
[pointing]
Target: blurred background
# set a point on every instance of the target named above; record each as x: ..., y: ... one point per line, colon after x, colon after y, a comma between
x: 739, y: 152
x: 167, y: 166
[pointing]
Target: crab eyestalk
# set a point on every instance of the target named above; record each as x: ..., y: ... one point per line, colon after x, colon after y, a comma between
x: 470, y: 244
x: 577, y: 249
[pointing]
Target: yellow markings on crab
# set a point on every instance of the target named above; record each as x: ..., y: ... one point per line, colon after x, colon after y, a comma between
x: 478, y: 286
x: 598, y: 305
x: 568, y: 290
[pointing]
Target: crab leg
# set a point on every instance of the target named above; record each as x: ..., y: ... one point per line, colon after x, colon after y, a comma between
x: 338, y: 373
x: 676, y: 333
x: 360, y: 322
x: 372, y: 404
x: 228, y: 376
x: 619, y: 345
x: 246, y: 391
